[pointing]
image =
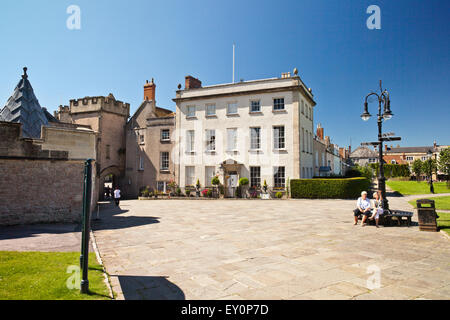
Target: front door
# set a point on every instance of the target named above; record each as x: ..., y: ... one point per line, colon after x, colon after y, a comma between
x: 232, y: 184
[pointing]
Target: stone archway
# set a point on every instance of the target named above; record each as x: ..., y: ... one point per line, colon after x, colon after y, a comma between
x: 108, y: 177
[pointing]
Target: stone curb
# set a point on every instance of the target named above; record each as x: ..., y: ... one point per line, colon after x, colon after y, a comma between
x: 100, y: 261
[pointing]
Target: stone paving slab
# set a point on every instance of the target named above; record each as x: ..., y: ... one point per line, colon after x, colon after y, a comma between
x: 271, y: 249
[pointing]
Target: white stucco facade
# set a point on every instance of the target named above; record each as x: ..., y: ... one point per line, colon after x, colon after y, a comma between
x: 222, y: 120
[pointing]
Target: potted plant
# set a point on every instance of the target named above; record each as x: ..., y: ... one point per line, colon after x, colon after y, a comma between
x: 197, y: 188
x: 216, y: 182
x: 243, y: 182
x: 188, y: 193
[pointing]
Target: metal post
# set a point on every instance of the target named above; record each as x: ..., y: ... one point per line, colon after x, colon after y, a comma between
x: 83, y: 215
x: 381, y: 178
x: 87, y: 190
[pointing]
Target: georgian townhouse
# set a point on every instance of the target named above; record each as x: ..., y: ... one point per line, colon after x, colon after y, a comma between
x: 260, y: 129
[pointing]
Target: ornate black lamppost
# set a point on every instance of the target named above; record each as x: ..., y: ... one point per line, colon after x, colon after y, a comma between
x: 383, y: 114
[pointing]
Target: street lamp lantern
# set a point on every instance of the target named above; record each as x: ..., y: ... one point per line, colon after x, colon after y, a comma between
x: 366, y: 115
x: 383, y: 99
x: 387, y: 115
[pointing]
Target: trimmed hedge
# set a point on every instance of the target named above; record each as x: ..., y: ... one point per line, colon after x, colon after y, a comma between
x: 328, y: 188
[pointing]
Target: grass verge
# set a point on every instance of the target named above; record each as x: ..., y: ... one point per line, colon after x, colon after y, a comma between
x: 441, y: 203
x: 414, y: 187
x: 444, y: 221
x: 44, y: 276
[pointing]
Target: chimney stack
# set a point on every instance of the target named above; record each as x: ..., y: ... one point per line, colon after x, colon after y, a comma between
x: 150, y: 91
x: 192, y: 83
x: 319, y: 131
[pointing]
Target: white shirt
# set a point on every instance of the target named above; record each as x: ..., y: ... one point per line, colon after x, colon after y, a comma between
x: 117, y: 193
x: 363, y: 204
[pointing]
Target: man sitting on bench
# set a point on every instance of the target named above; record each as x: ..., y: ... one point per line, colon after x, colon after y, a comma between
x: 363, y: 208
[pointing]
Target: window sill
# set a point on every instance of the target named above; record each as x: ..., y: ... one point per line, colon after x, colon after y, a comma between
x: 165, y: 141
x: 191, y: 117
x: 190, y: 152
x: 255, y: 150
x: 210, y: 151
x: 232, y: 114
x: 211, y: 116
x: 279, y: 111
x: 164, y: 170
x: 256, y: 112
x: 279, y: 150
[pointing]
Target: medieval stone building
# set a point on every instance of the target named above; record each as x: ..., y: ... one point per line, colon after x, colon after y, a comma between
x: 107, y: 117
x: 149, y: 158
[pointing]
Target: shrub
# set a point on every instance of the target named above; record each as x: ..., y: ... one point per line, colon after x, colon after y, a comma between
x: 279, y: 195
x: 243, y: 181
x: 215, y: 181
x: 392, y: 170
x: 209, y: 193
x: 178, y: 191
x: 328, y: 188
x: 188, y: 192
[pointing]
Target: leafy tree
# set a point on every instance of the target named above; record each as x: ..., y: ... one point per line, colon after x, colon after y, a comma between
x: 417, y: 168
x: 444, y: 163
x: 429, y: 166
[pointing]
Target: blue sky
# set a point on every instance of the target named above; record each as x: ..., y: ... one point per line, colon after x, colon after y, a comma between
x: 123, y: 43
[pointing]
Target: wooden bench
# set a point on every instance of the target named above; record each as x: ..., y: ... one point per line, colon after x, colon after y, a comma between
x: 388, y: 218
x: 402, y: 217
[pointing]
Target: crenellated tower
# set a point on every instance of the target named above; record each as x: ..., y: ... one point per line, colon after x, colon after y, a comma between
x: 107, y: 117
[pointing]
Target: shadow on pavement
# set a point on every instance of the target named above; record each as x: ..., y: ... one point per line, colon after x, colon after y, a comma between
x: 149, y: 288
x: 110, y: 218
x: 32, y: 230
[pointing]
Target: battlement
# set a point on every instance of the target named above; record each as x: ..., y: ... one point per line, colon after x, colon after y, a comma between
x: 99, y: 103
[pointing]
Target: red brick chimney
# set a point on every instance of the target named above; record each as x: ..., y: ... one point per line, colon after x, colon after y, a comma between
x: 192, y: 83
x: 149, y: 91
x: 319, y: 132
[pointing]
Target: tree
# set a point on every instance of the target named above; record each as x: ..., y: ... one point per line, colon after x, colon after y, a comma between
x: 444, y: 163
x: 429, y: 166
x: 417, y: 168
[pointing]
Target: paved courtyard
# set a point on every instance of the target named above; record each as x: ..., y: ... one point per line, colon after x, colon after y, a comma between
x: 254, y: 249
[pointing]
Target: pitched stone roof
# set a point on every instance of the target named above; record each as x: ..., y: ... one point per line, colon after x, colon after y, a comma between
x: 23, y: 107
x: 364, y: 152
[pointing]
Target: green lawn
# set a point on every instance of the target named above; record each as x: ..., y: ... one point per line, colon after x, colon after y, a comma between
x: 414, y: 187
x: 441, y: 203
x: 444, y: 221
x: 43, y: 276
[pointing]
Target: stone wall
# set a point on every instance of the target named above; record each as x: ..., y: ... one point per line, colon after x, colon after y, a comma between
x: 40, y: 191
x: 40, y: 185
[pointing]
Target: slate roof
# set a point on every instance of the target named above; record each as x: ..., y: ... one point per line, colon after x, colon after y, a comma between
x: 23, y: 107
x: 364, y: 152
x: 411, y: 149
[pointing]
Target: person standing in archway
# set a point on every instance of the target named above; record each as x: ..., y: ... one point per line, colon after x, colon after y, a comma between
x: 117, y: 195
